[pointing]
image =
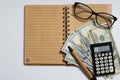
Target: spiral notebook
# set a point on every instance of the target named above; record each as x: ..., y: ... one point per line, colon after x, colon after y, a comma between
x: 46, y: 29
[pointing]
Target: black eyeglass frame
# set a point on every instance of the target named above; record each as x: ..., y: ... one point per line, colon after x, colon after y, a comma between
x: 93, y: 13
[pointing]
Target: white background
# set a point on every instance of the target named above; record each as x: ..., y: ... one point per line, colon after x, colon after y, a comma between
x: 11, y: 43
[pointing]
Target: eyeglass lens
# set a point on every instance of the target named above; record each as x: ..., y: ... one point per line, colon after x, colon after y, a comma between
x: 84, y: 12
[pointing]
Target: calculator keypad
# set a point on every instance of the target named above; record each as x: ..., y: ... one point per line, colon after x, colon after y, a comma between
x: 104, y: 63
x: 102, y: 58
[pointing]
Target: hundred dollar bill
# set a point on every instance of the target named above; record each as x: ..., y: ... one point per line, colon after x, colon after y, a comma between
x: 84, y: 32
x: 68, y: 43
x: 80, y: 47
x: 93, y: 34
x: 65, y: 46
x: 69, y: 57
x: 104, y: 35
x: 71, y: 60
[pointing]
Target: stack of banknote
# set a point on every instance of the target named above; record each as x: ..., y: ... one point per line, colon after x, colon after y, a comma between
x: 81, y: 39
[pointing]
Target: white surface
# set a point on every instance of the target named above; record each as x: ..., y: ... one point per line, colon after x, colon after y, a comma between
x: 11, y: 43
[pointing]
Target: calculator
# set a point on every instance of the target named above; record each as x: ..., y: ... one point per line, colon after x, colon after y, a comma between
x: 102, y: 57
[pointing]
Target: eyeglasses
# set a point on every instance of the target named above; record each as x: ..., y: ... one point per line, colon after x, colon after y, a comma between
x: 84, y: 12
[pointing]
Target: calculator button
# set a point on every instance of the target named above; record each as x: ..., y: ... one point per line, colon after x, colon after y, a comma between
x: 111, y: 69
x: 102, y: 71
x: 102, y: 54
x: 102, y: 65
x: 98, y: 72
x: 105, y: 57
x: 99, y: 55
x: 96, y: 59
x: 97, y: 65
x: 97, y: 69
x: 95, y: 55
x: 106, y: 64
x: 97, y: 62
x: 110, y: 64
x: 106, y: 68
x: 106, y: 54
x: 110, y: 60
x: 110, y: 57
x: 102, y: 68
x: 101, y: 58
x: 106, y: 61
x: 110, y: 53
x: 107, y: 71
x: 101, y: 61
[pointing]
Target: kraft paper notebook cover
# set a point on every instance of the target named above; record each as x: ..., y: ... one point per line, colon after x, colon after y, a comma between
x: 46, y: 29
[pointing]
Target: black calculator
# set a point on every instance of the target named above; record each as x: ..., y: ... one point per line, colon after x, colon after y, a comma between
x: 102, y: 57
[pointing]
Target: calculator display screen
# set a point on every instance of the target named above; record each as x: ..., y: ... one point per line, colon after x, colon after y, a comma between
x: 101, y: 48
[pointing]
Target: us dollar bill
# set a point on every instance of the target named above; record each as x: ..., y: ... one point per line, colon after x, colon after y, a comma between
x: 104, y: 35
x: 79, y: 46
x: 81, y: 40
x: 69, y: 57
x: 93, y: 34
x: 67, y: 42
x: 83, y: 32
x: 71, y: 60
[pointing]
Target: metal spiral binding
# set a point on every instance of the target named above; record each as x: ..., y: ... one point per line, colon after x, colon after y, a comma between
x: 66, y: 23
x: 64, y: 20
